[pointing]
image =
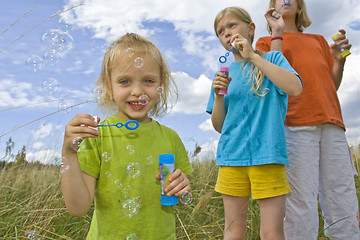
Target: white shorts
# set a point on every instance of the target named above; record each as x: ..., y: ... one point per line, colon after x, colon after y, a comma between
x: 320, y: 163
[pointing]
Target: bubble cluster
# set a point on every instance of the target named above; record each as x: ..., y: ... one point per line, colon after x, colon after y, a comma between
x: 50, y: 86
x: 133, y: 169
x: 78, y: 144
x: 132, y: 236
x: 138, y: 62
x: 105, y: 156
x: 130, y: 207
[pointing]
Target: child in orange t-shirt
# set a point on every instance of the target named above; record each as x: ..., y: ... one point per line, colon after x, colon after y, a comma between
x: 320, y: 163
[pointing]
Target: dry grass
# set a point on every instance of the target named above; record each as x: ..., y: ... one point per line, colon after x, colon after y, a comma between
x: 31, y: 202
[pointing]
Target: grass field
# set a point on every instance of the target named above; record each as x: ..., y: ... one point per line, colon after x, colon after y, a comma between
x: 31, y: 205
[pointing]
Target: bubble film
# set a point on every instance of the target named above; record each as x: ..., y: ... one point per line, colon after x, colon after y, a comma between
x: 150, y: 160
x: 65, y: 26
x: 130, y: 52
x: 118, y: 184
x: 51, y: 57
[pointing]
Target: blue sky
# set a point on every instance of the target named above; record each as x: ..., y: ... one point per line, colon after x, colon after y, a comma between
x: 183, y: 30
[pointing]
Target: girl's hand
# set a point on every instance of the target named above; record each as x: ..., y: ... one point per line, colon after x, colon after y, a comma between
x: 76, y: 128
x: 341, y: 41
x: 277, y: 25
x: 243, y: 45
x: 220, y: 82
x: 179, y: 184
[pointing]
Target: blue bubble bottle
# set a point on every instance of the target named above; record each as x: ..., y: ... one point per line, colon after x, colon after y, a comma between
x: 167, y: 167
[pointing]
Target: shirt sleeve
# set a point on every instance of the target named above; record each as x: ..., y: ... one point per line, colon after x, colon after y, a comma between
x: 89, y: 158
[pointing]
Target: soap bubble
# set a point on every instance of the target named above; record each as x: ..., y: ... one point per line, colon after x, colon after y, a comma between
x: 64, y: 42
x: 32, y: 235
x: 150, y: 160
x: 65, y: 26
x: 118, y: 183
x: 133, y: 169
x: 132, y: 236
x: 78, y: 144
x: 63, y: 163
x: 48, y: 38
x: 107, y: 174
x: 125, y: 192
x: 186, y: 198
x: 130, y: 149
x: 65, y: 105
x: 50, y: 86
x: 35, y: 63
x: 105, y: 156
x: 51, y: 57
x: 98, y: 92
x: 139, y: 62
x: 160, y: 90
x: 130, y: 52
x: 143, y: 99
x: 130, y: 207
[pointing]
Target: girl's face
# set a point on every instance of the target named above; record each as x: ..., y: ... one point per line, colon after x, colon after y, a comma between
x: 290, y: 9
x: 128, y: 84
x: 229, y: 25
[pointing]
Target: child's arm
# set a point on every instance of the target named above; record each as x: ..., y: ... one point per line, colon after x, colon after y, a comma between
x: 277, y: 26
x: 287, y: 81
x: 77, y: 187
x: 339, y: 61
x: 218, y: 113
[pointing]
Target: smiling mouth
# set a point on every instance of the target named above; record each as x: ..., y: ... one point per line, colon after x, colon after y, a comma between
x: 136, y: 105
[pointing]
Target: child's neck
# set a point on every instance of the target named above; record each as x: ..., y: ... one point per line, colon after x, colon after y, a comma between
x: 290, y: 25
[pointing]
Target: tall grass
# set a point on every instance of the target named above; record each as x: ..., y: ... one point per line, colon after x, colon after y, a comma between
x: 31, y: 205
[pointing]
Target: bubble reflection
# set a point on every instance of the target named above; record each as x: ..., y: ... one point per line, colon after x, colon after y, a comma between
x: 130, y: 207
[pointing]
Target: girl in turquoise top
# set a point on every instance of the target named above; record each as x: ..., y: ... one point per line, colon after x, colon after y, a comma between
x: 117, y: 168
x: 251, y: 151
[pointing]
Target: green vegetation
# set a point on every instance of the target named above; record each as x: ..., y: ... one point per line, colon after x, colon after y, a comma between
x: 31, y: 203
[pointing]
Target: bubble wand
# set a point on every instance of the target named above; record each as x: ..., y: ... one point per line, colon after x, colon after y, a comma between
x: 276, y: 14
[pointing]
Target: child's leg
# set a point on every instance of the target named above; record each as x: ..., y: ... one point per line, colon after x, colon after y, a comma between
x: 235, y: 217
x: 272, y: 211
x: 301, y: 205
x: 337, y: 192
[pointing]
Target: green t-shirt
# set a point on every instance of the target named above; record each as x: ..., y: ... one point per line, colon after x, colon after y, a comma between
x: 127, y: 195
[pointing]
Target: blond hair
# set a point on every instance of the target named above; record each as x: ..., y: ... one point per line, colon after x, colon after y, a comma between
x: 126, y: 49
x: 302, y: 19
x: 256, y: 76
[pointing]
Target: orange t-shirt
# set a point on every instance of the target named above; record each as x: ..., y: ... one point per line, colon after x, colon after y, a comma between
x: 310, y: 56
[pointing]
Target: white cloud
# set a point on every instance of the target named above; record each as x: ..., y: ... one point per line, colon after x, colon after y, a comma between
x: 43, y: 131
x: 193, y: 93
x: 207, y: 125
x: 37, y: 145
x: 208, y: 149
x: 44, y: 157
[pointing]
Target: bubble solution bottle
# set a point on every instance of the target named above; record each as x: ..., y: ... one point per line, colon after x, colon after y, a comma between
x: 224, y: 70
x: 167, y: 167
x: 344, y: 52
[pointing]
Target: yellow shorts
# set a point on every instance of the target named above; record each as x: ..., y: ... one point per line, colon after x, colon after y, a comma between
x: 262, y: 181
